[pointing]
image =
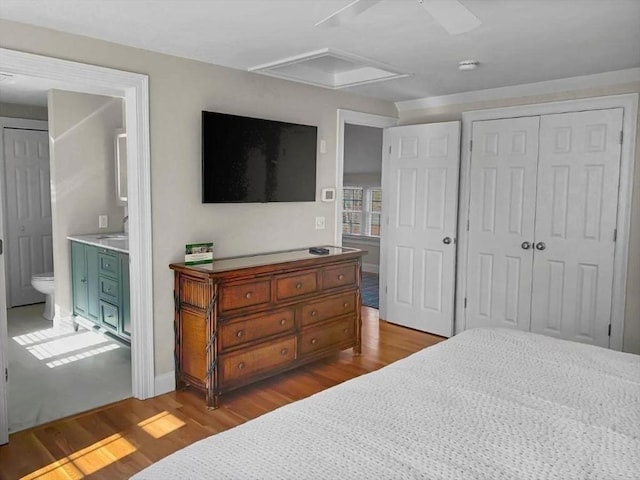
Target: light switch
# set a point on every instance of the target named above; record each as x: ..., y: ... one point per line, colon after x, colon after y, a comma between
x: 319, y: 223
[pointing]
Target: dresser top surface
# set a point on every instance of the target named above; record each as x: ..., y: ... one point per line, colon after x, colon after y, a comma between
x: 270, y: 258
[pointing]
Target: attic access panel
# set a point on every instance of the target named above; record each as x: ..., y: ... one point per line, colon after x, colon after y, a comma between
x: 329, y: 69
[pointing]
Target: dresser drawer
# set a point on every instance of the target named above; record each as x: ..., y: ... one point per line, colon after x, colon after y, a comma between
x: 327, y: 336
x: 236, y: 367
x: 108, y: 263
x: 301, y: 283
x: 247, y: 329
x: 339, y: 276
x: 109, y: 290
x: 247, y: 294
x: 329, y: 307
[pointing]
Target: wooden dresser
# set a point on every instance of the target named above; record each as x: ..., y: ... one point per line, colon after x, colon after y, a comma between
x: 244, y: 319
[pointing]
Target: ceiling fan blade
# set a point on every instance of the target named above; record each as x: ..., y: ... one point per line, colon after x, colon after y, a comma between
x: 454, y: 17
x: 347, y: 13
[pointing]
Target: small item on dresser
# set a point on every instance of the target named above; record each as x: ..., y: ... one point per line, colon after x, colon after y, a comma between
x: 319, y: 251
x: 198, y: 253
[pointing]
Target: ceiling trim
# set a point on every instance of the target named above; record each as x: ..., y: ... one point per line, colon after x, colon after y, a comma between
x: 617, y: 77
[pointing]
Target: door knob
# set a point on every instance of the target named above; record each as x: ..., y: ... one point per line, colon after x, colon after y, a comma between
x: 526, y: 245
x: 540, y: 246
x: 446, y: 240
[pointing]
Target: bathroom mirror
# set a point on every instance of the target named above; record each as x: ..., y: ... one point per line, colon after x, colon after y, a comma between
x: 121, y: 166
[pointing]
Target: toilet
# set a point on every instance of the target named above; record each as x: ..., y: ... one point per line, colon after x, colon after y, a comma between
x: 43, y: 282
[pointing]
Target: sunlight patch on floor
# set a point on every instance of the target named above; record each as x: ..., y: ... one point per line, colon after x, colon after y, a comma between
x: 88, y: 460
x: 64, y: 346
x: 81, y: 355
x: 161, y: 424
x: 40, y: 336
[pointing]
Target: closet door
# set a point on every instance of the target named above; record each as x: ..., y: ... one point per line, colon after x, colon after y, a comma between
x: 504, y: 161
x: 576, y: 209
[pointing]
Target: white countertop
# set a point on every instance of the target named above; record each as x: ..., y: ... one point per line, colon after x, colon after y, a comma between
x: 112, y: 241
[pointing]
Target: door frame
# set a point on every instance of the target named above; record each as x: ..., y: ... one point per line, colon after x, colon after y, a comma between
x: 368, y: 120
x: 134, y: 88
x: 629, y: 103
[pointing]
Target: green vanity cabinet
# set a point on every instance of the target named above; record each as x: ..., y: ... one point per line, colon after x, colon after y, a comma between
x: 125, y: 323
x: 101, y: 287
x: 84, y: 281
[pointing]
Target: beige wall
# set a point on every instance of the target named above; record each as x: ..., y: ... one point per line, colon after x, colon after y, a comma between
x: 81, y: 131
x: 179, y: 90
x: 631, y: 340
x: 23, y: 111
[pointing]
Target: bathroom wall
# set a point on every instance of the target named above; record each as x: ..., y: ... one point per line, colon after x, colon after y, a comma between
x: 15, y: 110
x: 81, y: 136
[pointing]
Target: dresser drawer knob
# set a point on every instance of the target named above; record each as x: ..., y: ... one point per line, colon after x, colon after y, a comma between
x: 314, y: 313
x: 345, y: 304
x: 314, y: 341
x: 340, y: 277
x: 247, y: 295
x: 346, y: 331
x: 298, y: 286
x: 239, y: 333
x: 283, y: 321
x: 284, y: 351
x: 106, y: 265
x: 240, y: 365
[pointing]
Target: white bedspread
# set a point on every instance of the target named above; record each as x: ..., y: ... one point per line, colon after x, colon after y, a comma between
x: 486, y: 404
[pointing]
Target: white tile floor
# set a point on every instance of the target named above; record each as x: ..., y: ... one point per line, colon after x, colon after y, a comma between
x: 57, y: 373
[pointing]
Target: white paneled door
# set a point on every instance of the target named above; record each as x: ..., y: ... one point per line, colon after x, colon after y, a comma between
x: 577, y: 203
x: 420, y: 184
x: 501, y: 220
x: 28, y: 212
x: 542, y: 220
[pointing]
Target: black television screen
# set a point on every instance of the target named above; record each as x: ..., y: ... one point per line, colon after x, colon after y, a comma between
x: 255, y: 160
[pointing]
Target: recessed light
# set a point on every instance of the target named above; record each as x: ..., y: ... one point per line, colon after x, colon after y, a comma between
x: 468, y: 64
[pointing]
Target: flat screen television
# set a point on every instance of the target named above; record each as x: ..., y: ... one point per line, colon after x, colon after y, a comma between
x: 255, y: 160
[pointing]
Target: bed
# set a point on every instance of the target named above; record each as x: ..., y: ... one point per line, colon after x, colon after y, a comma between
x: 485, y: 404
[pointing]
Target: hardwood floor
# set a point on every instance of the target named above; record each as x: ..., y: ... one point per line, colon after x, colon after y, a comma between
x: 118, y: 440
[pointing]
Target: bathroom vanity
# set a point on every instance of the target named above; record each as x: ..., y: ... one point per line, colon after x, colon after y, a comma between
x: 100, y: 281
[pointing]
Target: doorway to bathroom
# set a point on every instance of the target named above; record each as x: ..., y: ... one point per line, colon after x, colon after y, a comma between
x: 133, y: 88
x: 56, y: 371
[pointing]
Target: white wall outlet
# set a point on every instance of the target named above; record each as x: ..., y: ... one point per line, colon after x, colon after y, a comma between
x: 103, y: 221
x: 319, y: 223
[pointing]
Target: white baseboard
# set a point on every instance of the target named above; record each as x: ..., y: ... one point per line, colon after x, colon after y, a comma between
x: 371, y: 268
x: 164, y: 383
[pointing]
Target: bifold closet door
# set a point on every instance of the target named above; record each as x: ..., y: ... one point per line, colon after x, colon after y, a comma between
x: 576, y: 208
x: 504, y: 161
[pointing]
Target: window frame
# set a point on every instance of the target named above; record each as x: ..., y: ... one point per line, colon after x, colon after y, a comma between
x: 366, y: 213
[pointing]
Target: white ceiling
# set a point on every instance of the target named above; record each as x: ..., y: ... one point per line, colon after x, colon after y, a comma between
x: 519, y: 41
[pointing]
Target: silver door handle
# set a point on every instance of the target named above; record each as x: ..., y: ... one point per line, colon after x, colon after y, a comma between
x: 526, y: 245
x: 540, y: 246
x: 446, y: 240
